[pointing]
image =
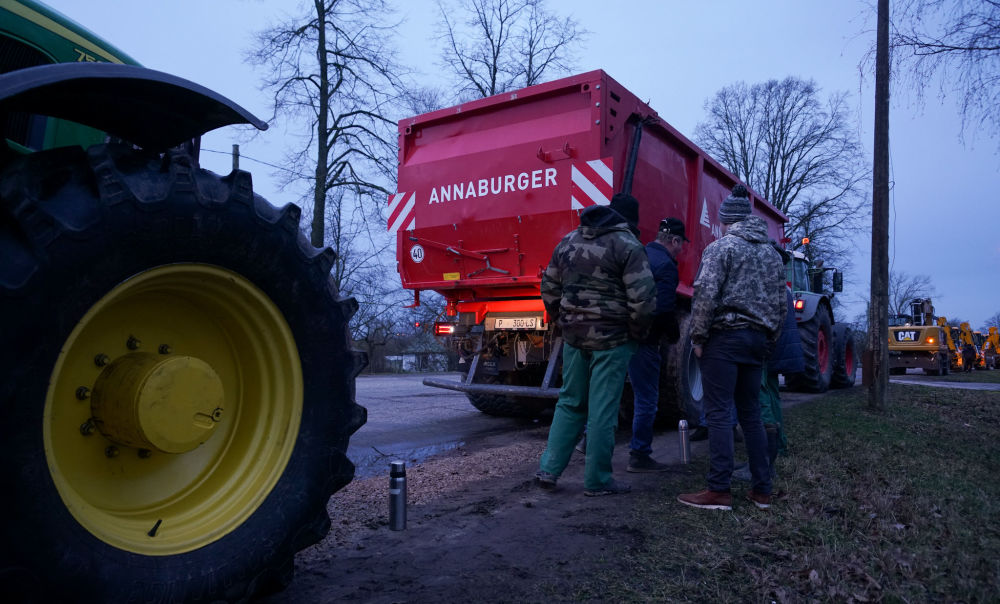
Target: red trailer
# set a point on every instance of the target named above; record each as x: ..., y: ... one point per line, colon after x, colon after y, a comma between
x: 487, y: 189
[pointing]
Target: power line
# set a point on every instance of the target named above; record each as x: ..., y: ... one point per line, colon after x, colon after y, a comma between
x: 259, y: 161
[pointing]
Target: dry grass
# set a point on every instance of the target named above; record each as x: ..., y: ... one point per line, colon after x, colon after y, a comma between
x: 894, y: 506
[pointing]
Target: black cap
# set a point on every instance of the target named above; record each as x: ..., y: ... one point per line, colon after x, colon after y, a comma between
x: 673, y: 226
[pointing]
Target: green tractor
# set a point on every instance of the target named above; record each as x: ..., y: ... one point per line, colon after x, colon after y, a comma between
x: 827, y: 346
x: 177, y: 378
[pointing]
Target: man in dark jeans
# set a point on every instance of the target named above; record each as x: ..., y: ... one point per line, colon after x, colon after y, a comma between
x: 736, y: 315
x: 644, y: 368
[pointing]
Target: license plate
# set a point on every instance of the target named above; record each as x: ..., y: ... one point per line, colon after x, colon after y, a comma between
x: 517, y: 323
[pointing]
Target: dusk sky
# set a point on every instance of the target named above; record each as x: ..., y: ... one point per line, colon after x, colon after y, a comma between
x: 675, y: 55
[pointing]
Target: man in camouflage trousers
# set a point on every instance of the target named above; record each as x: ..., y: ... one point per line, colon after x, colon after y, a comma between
x: 736, y: 315
x: 600, y: 291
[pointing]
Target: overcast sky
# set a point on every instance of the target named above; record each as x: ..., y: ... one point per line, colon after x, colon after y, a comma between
x: 945, y: 211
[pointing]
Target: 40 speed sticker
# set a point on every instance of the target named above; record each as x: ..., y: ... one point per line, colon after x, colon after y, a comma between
x: 417, y: 253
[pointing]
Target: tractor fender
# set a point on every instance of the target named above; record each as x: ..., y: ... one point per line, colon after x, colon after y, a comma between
x: 151, y: 109
x: 811, y: 302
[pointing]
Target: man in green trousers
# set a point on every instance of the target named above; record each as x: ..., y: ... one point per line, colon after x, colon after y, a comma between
x: 599, y: 290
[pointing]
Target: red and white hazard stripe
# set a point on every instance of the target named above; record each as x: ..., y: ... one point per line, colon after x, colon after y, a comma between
x: 592, y: 183
x: 401, y: 211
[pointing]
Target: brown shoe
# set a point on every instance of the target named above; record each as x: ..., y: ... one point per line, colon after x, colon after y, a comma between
x: 759, y: 499
x: 708, y: 500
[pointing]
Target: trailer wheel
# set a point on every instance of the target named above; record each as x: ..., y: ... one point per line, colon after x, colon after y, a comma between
x: 816, y: 349
x: 499, y: 405
x: 682, y: 385
x: 176, y: 379
x: 844, y: 374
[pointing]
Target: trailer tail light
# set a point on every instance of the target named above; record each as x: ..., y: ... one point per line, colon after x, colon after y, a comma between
x: 800, y: 304
x: 444, y: 329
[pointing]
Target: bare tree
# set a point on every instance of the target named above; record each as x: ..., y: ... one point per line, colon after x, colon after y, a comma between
x: 993, y: 321
x: 492, y: 46
x: 333, y: 67
x: 955, y: 43
x: 904, y: 287
x: 799, y: 152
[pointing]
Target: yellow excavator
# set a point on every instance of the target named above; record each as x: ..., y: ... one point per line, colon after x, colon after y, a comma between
x: 966, y: 336
x: 916, y: 341
x: 950, y: 336
x: 991, y: 347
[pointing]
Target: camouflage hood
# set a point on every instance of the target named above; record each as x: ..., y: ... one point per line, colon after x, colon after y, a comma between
x: 751, y: 228
x: 599, y: 220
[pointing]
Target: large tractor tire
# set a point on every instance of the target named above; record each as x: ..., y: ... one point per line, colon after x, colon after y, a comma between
x: 681, y: 391
x: 176, y: 381
x: 817, y: 341
x: 844, y: 369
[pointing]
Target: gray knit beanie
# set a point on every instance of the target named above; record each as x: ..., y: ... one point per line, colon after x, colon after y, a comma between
x: 736, y: 207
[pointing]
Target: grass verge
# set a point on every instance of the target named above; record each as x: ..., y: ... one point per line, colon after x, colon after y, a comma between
x: 893, y: 506
x: 978, y: 375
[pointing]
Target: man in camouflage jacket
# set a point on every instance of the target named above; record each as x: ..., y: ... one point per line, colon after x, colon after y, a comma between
x: 600, y: 291
x: 736, y: 315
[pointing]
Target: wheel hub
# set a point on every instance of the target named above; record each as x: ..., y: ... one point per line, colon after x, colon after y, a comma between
x: 169, y: 404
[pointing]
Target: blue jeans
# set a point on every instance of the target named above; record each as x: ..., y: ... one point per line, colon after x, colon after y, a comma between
x: 644, y: 373
x: 731, y: 371
x: 590, y: 395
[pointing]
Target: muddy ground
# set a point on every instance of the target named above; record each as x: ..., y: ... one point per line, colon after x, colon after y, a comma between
x: 480, y: 530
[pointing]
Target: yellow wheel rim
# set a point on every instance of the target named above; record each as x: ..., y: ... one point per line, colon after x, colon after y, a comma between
x: 173, y: 409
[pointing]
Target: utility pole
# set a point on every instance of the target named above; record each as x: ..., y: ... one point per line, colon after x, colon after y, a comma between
x: 236, y: 157
x: 876, y: 371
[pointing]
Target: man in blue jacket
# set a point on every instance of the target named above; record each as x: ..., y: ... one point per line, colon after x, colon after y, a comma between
x: 644, y: 368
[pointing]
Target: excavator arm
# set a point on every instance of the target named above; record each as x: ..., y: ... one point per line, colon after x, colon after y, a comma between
x: 953, y: 352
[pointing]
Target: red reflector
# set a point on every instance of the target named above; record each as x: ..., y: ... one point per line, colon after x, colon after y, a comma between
x: 800, y: 304
x: 444, y: 329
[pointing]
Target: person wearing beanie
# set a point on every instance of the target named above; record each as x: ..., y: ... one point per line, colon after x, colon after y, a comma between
x: 602, y: 320
x: 737, y: 313
x: 736, y: 207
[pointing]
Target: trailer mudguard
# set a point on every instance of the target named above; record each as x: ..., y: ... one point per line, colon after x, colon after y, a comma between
x: 151, y: 109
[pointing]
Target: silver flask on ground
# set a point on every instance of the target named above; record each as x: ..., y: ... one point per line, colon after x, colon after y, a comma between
x: 397, y: 495
x: 684, y: 441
